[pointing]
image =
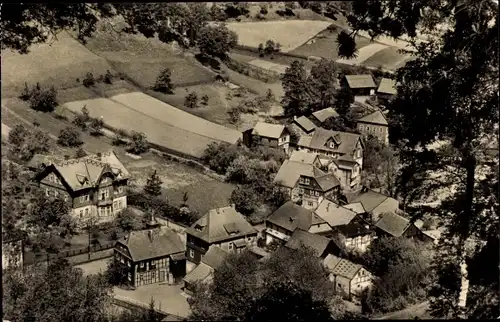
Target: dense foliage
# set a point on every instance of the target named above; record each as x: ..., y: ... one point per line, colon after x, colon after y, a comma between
x: 164, y: 82
x: 216, y: 41
x: 69, y: 137
x: 26, y: 142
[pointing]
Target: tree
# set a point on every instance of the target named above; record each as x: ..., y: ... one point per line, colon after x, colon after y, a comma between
x: 27, y: 143
x: 296, y: 99
x: 336, y: 123
x: 343, y: 100
x: 138, y: 144
x: 217, y: 12
x: 234, y: 115
x: 17, y: 135
x: 244, y: 199
x: 108, y: 77
x: 117, y: 273
x: 164, y: 82
x: 191, y: 100
x: 219, y: 156
x: 293, y: 303
x: 425, y: 111
x: 324, y: 81
x: 44, y: 100
x: 61, y: 290
x: 236, y: 9
x: 89, y: 80
x: 216, y: 41
x: 69, y: 137
x: 271, y: 47
x: 263, y: 9
x: 153, y: 185
x: 80, y: 153
x: 270, y: 95
x: 129, y: 221
x: 204, y: 100
x: 96, y: 125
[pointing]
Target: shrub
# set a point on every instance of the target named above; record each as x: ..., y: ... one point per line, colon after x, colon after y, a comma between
x: 164, y: 82
x: 88, y: 80
x: 128, y: 220
x: 153, y: 185
x: 234, y: 115
x: 116, y: 273
x: 204, y: 100
x: 219, y: 156
x: 217, y: 13
x: 120, y: 135
x: 260, y: 16
x: 139, y: 143
x: 263, y: 9
x: 80, y: 153
x: 44, y: 100
x: 96, y: 126
x: 17, y: 135
x: 191, y: 100
x: 69, y: 137
x: 270, y: 95
x: 108, y: 77
x: 26, y: 93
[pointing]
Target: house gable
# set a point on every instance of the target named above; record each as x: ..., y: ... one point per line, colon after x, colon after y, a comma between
x: 45, y: 175
x: 123, y: 249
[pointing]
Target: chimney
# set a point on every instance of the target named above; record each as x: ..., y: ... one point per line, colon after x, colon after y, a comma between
x: 291, y: 219
x: 150, y: 235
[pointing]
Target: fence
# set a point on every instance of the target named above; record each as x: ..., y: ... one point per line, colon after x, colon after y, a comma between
x: 128, y: 303
x: 99, y: 252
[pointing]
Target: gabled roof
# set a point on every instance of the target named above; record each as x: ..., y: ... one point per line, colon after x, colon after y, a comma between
x: 85, y: 172
x: 393, y: 224
x: 376, y: 117
x: 41, y: 159
x: 387, y: 86
x: 321, y: 136
x: 291, y: 216
x: 304, y: 123
x: 152, y: 243
x: 346, y: 268
x: 303, y: 157
x: 290, y: 172
x: 221, y: 224
x: 301, y: 238
x: 331, y: 261
x: 327, y: 182
x: 368, y: 198
x: 357, y: 207
x: 334, y: 214
x: 360, y: 81
x: 214, y: 257
x: 325, y: 113
x: 199, y: 273
x: 268, y: 130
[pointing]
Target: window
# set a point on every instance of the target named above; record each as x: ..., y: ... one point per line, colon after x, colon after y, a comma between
x: 367, y: 128
x: 47, y: 192
x: 332, y: 145
x: 130, y: 277
x: 301, y: 190
x: 120, y: 189
x: 249, y: 238
x: 100, y: 212
x: 381, y: 129
x: 316, y: 193
x: 191, y: 253
x: 310, y: 203
x: 115, y: 205
x: 230, y: 246
x: 361, y: 127
x: 306, y: 180
x: 81, y: 214
x: 65, y: 197
x: 86, y: 212
x: 56, y: 193
x: 119, y: 204
x: 141, y: 265
x: 106, y: 193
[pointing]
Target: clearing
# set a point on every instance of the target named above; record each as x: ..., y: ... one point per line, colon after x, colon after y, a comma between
x: 325, y: 45
x: 289, y: 33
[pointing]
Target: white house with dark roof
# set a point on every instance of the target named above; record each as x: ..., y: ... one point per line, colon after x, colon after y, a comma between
x: 281, y: 224
x: 341, y: 152
x: 386, y: 90
x: 349, y: 279
x: 360, y: 85
x: 95, y: 185
x: 306, y: 181
x: 347, y: 226
x: 267, y: 134
x: 222, y: 227
x: 374, y: 124
x: 204, y: 272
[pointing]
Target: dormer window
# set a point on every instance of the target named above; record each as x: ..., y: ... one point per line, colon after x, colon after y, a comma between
x: 199, y: 227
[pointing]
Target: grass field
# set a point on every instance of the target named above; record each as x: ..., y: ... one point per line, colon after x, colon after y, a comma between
x: 289, y: 33
x: 389, y: 58
x: 58, y: 64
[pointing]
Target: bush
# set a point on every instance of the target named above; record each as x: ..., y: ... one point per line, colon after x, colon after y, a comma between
x: 263, y: 9
x: 108, y: 77
x: 117, y: 273
x: 17, y: 135
x: 164, y: 82
x: 120, y: 135
x: 96, y: 126
x: 26, y: 93
x: 129, y: 221
x: 217, y: 13
x: 44, y: 100
x: 88, y: 80
x: 139, y: 144
x: 80, y: 153
x: 234, y: 115
x: 204, y: 100
x: 69, y: 137
x: 260, y: 16
x: 219, y: 156
x: 191, y: 100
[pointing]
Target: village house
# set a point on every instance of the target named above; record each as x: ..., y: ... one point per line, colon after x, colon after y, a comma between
x: 319, y: 117
x: 386, y: 90
x: 349, y: 279
x: 340, y: 152
x: 304, y: 124
x: 391, y: 224
x: 223, y: 227
x: 374, y: 124
x: 267, y: 134
x: 347, y: 226
x: 320, y: 245
x: 154, y: 255
x: 360, y: 85
x: 373, y: 203
x: 12, y: 251
x: 305, y: 182
x: 96, y: 186
x: 204, y: 272
x: 281, y: 224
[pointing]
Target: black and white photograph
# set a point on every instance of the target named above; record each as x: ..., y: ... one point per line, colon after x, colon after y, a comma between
x: 250, y: 161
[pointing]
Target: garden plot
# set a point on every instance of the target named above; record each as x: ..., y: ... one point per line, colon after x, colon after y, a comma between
x: 289, y: 33
x: 278, y: 68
